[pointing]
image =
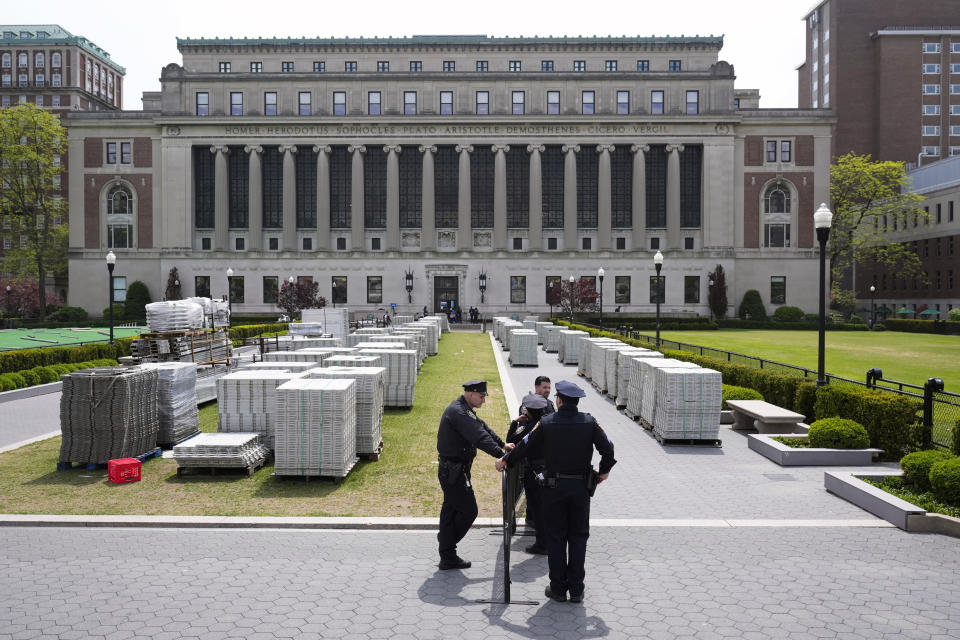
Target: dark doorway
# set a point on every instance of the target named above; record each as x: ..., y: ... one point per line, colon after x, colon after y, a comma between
x: 445, y: 292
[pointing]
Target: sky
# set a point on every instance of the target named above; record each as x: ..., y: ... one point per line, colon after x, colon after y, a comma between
x: 763, y: 39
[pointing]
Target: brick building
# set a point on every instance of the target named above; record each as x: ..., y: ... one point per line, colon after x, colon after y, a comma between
x: 352, y: 161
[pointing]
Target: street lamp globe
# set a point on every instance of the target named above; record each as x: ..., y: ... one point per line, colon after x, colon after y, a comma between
x: 111, y: 259
x: 658, y: 259
x: 823, y: 217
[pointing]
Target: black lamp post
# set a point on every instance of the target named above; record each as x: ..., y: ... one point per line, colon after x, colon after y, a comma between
x: 408, y: 284
x: 483, y: 286
x: 9, y: 289
x: 571, y: 299
x: 333, y: 292
x: 821, y: 221
x: 111, y: 261
x: 873, y: 307
x: 710, y: 296
x: 658, y: 264
x: 600, y: 278
x: 230, y: 296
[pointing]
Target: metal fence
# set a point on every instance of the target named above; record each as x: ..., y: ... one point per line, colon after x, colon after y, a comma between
x: 511, y: 482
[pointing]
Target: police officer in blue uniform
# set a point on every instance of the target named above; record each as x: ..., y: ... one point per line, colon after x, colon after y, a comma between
x: 459, y: 436
x: 567, y: 439
x: 532, y: 408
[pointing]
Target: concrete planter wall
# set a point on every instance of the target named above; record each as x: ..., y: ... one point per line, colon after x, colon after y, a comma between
x: 30, y: 392
x: 786, y: 456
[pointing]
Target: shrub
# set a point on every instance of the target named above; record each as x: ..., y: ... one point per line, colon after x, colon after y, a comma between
x: 752, y: 306
x: 889, y: 419
x: 788, y: 314
x: 916, y: 466
x: 879, y: 327
x: 18, y: 380
x: 838, y: 433
x: 733, y: 392
x: 69, y: 314
x: 117, y: 312
x: 138, y: 297
x: 945, y: 481
x: 61, y: 369
x: 954, y: 315
x: 805, y: 399
x: 46, y: 375
x: 923, y: 326
x: 31, y: 377
x: 6, y: 384
x: 855, y: 319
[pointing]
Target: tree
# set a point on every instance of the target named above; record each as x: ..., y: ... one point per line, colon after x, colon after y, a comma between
x: 24, y: 298
x: 296, y: 296
x: 717, y: 294
x: 867, y: 198
x: 32, y: 142
x: 172, y: 292
x: 751, y: 307
x: 577, y: 296
x: 554, y: 294
x: 138, y: 297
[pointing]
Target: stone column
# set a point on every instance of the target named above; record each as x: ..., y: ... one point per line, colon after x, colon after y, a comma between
x: 356, y: 198
x: 639, y: 226
x: 536, y: 197
x: 428, y: 216
x: 464, y: 226
x: 255, y: 199
x: 221, y: 199
x: 604, y: 215
x: 393, y: 196
x: 500, y: 196
x: 323, y: 196
x: 673, y: 195
x: 570, y: 196
x: 289, y: 198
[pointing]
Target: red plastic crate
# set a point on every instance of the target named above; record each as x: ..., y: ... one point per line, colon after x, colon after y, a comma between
x: 123, y: 470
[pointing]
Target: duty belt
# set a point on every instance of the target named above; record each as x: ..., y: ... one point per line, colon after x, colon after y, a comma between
x: 450, y: 460
x: 570, y: 476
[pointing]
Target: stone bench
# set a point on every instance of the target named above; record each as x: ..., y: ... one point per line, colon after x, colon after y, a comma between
x: 764, y: 417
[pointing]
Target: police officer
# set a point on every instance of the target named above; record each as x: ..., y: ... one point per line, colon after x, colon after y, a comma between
x: 532, y: 408
x: 567, y: 439
x: 460, y: 434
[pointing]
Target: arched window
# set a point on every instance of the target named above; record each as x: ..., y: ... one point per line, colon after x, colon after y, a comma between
x: 6, y: 60
x: 120, y: 216
x: 778, y: 214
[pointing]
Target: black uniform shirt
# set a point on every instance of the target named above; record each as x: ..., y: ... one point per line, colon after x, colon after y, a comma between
x: 566, y: 440
x: 461, y: 433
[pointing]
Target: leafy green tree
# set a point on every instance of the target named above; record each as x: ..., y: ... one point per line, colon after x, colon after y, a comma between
x: 138, y: 297
x: 31, y: 143
x: 868, y: 198
x: 293, y: 297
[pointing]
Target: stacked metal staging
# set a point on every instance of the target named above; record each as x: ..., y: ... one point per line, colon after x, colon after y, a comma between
x: 523, y: 347
x: 401, y: 375
x: 176, y: 400
x: 316, y: 428
x: 369, y: 395
x: 108, y: 413
x: 279, y: 365
x: 247, y: 402
x: 352, y: 361
x: 687, y: 403
x: 569, y: 351
x: 222, y: 451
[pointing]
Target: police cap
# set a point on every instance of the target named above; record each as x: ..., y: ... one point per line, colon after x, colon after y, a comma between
x: 534, y: 401
x: 477, y: 386
x: 569, y: 389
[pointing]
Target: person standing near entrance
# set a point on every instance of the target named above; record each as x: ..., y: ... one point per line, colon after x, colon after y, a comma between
x: 459, y: 436
x: 566, y: 440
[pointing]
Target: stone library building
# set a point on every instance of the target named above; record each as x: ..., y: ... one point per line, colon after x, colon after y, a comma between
x: 447, y: 162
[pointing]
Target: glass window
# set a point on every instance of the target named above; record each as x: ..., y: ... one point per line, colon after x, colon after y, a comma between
x: 270, y: 103
x: 931, y: 68
x: 339, y: 103
x: 691, y: 289
x: 931, y: 109
x: 656, y: 102
x: 513, y: 65
x: 610, y: 65
x: 587, y: 99
x: 236, y: 103
x: 786, y: 151
x: 546, y: 65
x: 383, y: 66
x: 56, y: 81
x: 6, y: 60
x: 931, y: 130
x: 338, y: 287
x: 518, y: 289
x: 776, y: 234
x: 955, y: 47
x: 304, y: 103
x: 553, y: 102
x: 955, y: 67
x: 778, y: 290
x: 771, y: 150
x: 517, y: 102
x: 955, y: 89
x: 446, y: 103
x: 111, y: 153
x: 126, y: 155
x: 623, y: 103
x: 373, y: 103
x: 579, y: 65
x: 350, y: 66
x: 931, y: 89
x: 374, y: 289
x: 319, y: 66
x: 409, y: 103
x: 271, y: 289
x: 483, y: 66
x: 22, y: 59
x: 658, y: 290
x: 931, y: 47
x: 449, y: 66
x: 416, y: 66
x: 236, y: 289
x: 483, y: 103
x: 6, y: 83
x: 56, y: 100
x: 693, y: 102
x: 621, y: 289
x: 552, y: 285
x: 224, y: 67
x: 286, y: 67
x: 119, y: 289
x: 256, y: 67
x: 675, y: 65
x: 38, y: 60
x: 643, y: 65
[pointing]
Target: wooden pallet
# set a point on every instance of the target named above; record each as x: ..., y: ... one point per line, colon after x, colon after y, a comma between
x: 250, y: 469
x: 697, y: 442
x: 156, y: 452
x: 372, y: 456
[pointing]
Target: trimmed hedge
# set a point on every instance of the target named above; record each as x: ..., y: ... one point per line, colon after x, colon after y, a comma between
x: 838, y: 433
x: 46, y: 375
x: 945, y: 481
x: 955, y: 444
x: 253, y: 330
x: 20, y: 359
x: 788, y: 314
x: 923, y: 326
x: 805, y: 325
x: 751, y: 307
x: 916, y: 466
x: 733, y: 392
x: 892, y: 421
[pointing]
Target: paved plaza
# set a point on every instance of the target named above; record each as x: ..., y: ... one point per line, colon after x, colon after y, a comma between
x: 686, y: 542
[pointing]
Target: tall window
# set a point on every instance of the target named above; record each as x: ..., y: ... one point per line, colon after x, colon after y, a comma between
x: 514, y: 66
x: 691, y: 289
x: 201, y: 286
x: 621, y: 187
x: 518, y: 188
x: 338, y: 286
x: 203, y: 188
x: 518, y: 289
x: 656, y: 187
x: 553, y: 102
x: 375, y: 188
x: 224, y: 67
x: 339, y: 103
x: 691, y: 161
x: 409, y: 103
x: 481, y: 188
x: 256, y: 67
x: 272, y: 168
x: 203, y: 103
x: 374, y: 289
x: 236, y: 289
x: 693, y: 102
x: 120, y: 217
x: 304, y: 106
x: 373, y: 103
x: 587, y: 98
x: 483, y: 103
x: 551, y: 162
x: 517, y: 101
x: 550, y: 284
x: 623, y: 103
x: 446, y: 193
x: 621, y: 289
x: 446, y: 103
x: 306, y: 182
x: 271, y: 289
x: 236, y: 103
x: 411, y: 187
x: 778, y: 290
x: 270, y: 103
x: 587, y: 176
x: 341, y: 176
x: 656, y: 102
x: 38, y: 60
x: 416, y: 66
x: 777, y: 209
x: 238, y: 165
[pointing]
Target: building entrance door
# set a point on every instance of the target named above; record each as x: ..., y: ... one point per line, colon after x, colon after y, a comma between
x: 445, y: 291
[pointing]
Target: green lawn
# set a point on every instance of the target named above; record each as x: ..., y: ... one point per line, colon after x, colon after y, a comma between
x: 36, y: 338
x: 908, y: 357
x: 402, y: 483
